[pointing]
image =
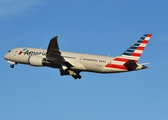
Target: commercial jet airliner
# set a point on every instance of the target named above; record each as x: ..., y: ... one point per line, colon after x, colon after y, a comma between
x: 71, y: 63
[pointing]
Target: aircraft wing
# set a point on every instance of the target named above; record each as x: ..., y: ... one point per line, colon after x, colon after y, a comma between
x: 54, y: 53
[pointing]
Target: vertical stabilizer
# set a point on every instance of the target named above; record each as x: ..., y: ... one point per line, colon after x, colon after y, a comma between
x: 134, y: 52
x: 128, y: 60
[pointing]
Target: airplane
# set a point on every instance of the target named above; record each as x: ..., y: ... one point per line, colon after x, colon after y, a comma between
x: 71, y: 63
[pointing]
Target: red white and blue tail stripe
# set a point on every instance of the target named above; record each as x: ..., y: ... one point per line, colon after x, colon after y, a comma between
x: 133, y: 53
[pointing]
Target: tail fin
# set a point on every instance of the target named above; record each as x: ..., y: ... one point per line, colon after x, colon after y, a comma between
x: 128, y: 60
x: 134, y: 52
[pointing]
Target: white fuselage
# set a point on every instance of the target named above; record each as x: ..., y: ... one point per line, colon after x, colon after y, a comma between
x: 79, y: 61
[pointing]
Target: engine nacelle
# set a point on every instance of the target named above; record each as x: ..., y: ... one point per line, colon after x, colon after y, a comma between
x: 37, y: 61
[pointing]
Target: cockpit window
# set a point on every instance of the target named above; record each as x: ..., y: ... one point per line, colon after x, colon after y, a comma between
x: 9, y: 50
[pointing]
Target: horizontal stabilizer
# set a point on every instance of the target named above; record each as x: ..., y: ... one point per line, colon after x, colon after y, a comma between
x: 145, y: 63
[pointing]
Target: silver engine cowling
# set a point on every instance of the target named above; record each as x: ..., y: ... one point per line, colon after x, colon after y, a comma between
x: 37, y: 61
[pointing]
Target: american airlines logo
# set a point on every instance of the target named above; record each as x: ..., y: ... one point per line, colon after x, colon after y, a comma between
x: 28, y: 52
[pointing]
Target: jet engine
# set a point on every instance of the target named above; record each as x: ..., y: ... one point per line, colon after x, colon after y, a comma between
x: 37, y: 61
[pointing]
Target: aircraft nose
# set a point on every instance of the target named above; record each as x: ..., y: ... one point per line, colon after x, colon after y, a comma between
x: 6, y: 56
